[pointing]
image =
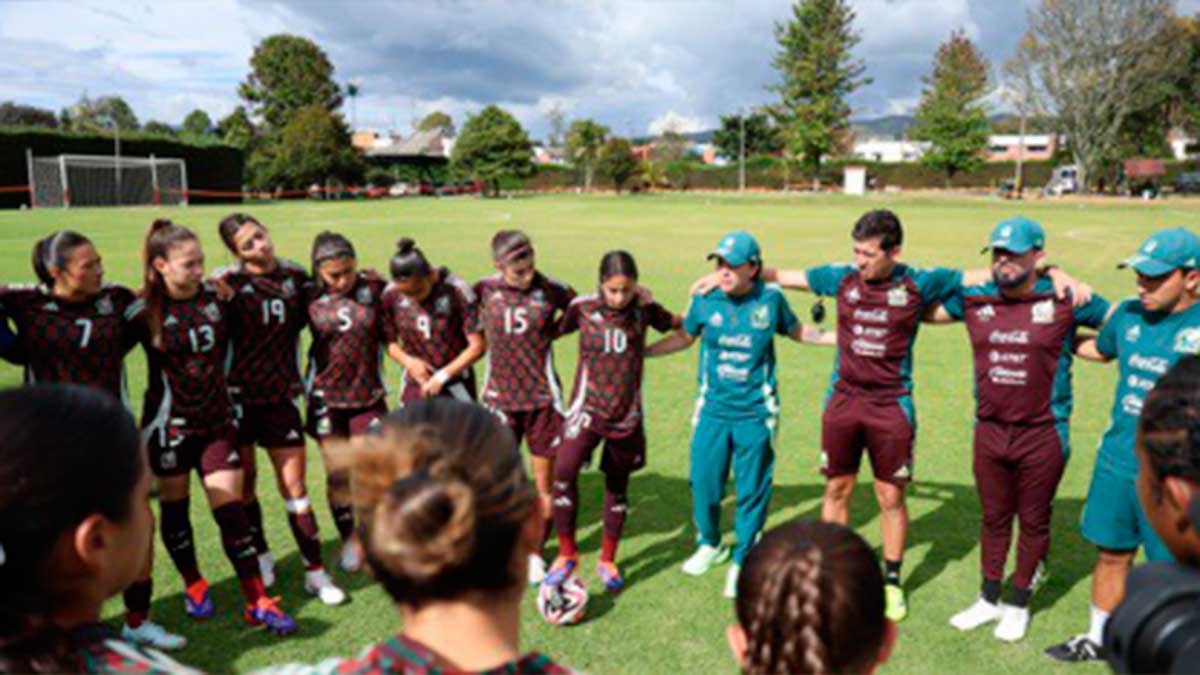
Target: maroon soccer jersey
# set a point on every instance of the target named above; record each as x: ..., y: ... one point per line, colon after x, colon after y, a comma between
x: 608, y: 379
x: 435, y: 329
x: 344, y: 365
x: 520, y: 326
x: 186, y: 390
x: 1022, y: 350
x: 266, y: 315
x: 74, y: 342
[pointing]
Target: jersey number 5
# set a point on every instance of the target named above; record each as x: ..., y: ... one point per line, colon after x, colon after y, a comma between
x: 516, y: 320
x: 345, y: 319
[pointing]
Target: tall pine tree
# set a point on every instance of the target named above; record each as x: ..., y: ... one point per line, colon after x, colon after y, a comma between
x: 818, y: 73
x: 950, y: 116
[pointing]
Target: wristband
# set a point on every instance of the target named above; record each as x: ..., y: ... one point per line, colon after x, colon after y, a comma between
x: 441, y: 376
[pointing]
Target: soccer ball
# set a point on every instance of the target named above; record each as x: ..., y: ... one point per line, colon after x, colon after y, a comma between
x: 563, y: 605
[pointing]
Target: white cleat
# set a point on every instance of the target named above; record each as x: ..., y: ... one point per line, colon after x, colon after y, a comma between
x: 1013, y: 624
x: 704, y: 559
x: 352, y: 556
x: 318, y: 583
x: 537, y: 569
x: 731, y: 580
x: 978, y: 614
x: 153, y: 635
x: 266, y: 568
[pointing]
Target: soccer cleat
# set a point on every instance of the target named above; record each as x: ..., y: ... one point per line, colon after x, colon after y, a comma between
x: 1077, y: 649
x: 537, y: 569
x: 704, y: 559
x: 266, y: 569
x: 266, y: 612
x: 611, y: 576
x: 980, y: 613
x: 731, y: 580
x: 897, y: 605
x: 352, y: 556
x: 153, y: 635
x: 197, y: 602
x: 318, y: 583
x: 562, y: 568
x: 1014, y: 623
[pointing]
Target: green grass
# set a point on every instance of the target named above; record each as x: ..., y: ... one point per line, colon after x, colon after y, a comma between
x: 665, y: 621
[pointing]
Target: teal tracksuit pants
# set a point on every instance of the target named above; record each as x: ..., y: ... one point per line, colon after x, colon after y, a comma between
x: 748, y: 448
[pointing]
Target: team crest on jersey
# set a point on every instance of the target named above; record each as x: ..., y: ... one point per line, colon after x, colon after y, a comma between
x: 288, y: 288
x: 364, y: 295
x: 51, y: 306
x: 716, y: 320
x: 538, y: 297
x: 1043, y: 312
x: 897, y: 297
x: 104, y: 306
x: 985, y: 313
x: 1187, y: 341
x: 760, y: 317
x: 212, y: 311
x: 1134, y: 333
x: 852, y: 296
x: 442, y: 306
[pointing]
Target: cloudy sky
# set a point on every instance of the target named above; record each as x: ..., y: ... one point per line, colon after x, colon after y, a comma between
x: 636, y: 66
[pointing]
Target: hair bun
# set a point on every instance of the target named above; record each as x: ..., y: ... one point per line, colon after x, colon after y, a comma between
x: 424, y: 525
x: 405, y: 246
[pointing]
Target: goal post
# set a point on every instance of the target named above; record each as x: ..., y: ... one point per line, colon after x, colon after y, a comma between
x: 104, y: 180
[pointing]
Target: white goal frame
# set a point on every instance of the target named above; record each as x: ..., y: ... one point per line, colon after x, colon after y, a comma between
x: 134, y: 181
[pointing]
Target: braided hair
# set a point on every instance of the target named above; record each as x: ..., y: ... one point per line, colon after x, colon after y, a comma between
x: 810, y: 599
x: 1170, y: 422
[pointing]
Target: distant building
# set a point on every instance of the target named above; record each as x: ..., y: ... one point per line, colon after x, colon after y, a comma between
x: 549, y: 156
x: 888, y: 150
x: 1007, y: 147
x: 1183, y: 144
x: 423, y: 149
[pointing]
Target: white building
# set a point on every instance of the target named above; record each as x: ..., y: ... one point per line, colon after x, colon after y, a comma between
x: 889, y: 150
x: 1183, y: 145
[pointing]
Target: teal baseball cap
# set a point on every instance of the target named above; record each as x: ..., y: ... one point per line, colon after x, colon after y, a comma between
x: 737, y: 248
x: 1018, y: 234
x: 1164, y: 252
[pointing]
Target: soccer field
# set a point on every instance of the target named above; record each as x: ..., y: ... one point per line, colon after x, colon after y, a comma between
x: 666, y: 621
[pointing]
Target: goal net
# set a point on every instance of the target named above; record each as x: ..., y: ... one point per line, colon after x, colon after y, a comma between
x: 102, y: 180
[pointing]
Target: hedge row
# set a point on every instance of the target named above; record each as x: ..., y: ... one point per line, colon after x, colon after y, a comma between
x: 209, y: 167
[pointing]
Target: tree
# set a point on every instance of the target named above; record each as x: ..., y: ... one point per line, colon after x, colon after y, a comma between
x: 557, y: 117
x: 160, y: 128
x: 1093, y: 64
x: 288, y: 74
x: 671, y: 146
x: 314, y: 147
x: 437, y: 120
x: 197, y: 123
x: 492, y: 146
x: 818, y: 74
x: 585, y: 140
x: 950, y: 115
x: 97, y: 114
x: 617, y: 162
x: 236, y: 129
x: 762, y: 138
x: 17, y: 115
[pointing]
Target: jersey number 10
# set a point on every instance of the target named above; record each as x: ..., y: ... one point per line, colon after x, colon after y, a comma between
x: 615, y: 341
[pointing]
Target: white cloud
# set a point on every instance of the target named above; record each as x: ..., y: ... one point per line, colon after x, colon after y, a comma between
x: 673, y: 121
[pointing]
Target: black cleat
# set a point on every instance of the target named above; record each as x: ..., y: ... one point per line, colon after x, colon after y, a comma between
x: 1077, y: 649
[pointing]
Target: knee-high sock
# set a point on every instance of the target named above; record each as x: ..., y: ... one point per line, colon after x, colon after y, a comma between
x: 176, y: 532
x: 137, y: 602
x: 254, y: 519
x: 304, y: 529
x: 616, y: 506
x: 343, y: 514
x: 239, y: 548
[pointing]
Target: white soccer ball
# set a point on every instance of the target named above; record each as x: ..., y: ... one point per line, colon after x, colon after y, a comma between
x: 563, y: 605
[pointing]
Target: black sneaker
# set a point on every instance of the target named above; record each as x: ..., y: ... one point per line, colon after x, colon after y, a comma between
x: 1077, y: 649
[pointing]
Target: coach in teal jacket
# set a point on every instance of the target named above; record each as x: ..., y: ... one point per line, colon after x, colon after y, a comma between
x: 737, y: 411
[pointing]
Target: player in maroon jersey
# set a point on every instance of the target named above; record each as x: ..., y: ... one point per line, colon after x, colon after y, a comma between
x: 345, y: 384
x: 72, y: 328
x: 606, y: 406
x: 266, y: 315
x: 519, y: 309
x: 431, y: 327
x: 187, y: 418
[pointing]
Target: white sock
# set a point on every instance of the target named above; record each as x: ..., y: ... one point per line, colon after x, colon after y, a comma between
x: 1096, y: 629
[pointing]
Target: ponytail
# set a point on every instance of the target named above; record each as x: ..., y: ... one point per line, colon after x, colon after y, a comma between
x: 408, y: 261
x: 618, y: 263
x: 160, y: 237
x: 55, y: 251
x: 229, y: 226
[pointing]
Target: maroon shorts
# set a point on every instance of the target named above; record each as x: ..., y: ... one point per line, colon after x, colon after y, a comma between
x: 462, y: 389
x: 540, y: 428
x: 174, y: 452
x: 325, y: 423
x: 622, y: 455
x: 271, y: 425
x: 882, y: 426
